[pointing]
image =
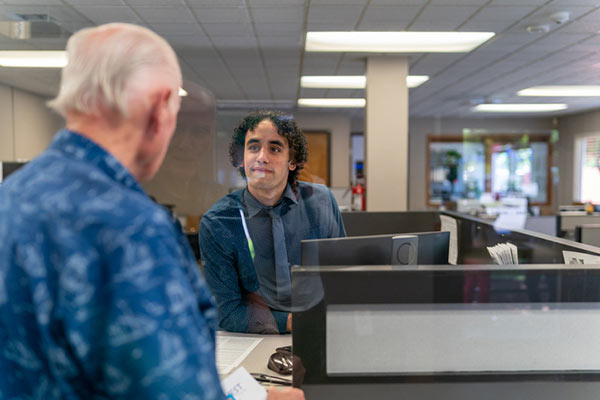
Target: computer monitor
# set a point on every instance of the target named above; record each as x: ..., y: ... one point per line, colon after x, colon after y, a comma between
x: 426, y: 248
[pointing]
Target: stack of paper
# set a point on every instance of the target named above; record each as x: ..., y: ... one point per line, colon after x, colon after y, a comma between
x: 504, y: 254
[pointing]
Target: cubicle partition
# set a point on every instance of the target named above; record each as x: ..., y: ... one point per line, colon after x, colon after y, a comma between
x: 473, y: 235
x: 472, y: 330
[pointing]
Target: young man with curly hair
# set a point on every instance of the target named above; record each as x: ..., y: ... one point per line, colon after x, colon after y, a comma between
x: 250, y: 238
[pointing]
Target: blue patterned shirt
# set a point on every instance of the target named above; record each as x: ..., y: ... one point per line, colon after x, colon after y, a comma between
x: 100, y: 294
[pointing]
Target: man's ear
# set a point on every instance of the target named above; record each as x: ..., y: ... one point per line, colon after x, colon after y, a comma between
x: 291, y: 165
x: 159, y: 110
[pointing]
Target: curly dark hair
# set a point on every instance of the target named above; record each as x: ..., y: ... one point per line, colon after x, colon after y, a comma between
x: 286, y: 127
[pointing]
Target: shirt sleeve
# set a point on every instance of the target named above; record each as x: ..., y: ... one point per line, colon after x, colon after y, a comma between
x: 222, y: 278
x: 133, y: 319
x: 222, y: 272
x: 337, y: 228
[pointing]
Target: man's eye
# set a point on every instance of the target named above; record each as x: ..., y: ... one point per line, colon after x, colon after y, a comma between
x: 253, y: 147
x: 276, y: 149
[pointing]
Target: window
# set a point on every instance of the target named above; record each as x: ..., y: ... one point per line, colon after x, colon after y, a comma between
x: 587, y: 169
x: 501, y: 165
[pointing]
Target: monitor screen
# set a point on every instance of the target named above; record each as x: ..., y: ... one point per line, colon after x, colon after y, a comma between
x: 430, y: 248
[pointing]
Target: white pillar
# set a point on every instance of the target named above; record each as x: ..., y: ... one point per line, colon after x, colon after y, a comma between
x: 386, y: 134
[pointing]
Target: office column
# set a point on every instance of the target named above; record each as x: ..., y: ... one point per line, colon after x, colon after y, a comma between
x: 386, y: 134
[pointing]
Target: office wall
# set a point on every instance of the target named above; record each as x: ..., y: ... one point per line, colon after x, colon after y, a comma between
x: 570, y: 127
x: 339, y: 128
x: 27, y: 125
x: 6, y: 125
x: 420, y: 128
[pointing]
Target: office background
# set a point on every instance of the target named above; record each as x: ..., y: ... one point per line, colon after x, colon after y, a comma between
x: 249, y: 54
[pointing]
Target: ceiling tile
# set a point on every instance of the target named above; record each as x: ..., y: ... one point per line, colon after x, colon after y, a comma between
x: 216, y: 15
x: 334, y: 14
x: 398, y: 14
x: 276, y: 29
x: 236, y: 42
x: 277, y: 15
x: 103, y: 15
x: 518, y: 2
x: 151, y: 3
x: 395, y: 2
x: 95, y: 2
x: 176, y: 29
x: 33, y: 2
x: 280, y: 42
x: 276, y: 2
x: 187, y: 41
x: 512, y: 13
x: 165, y: 14
x: 227, y: 29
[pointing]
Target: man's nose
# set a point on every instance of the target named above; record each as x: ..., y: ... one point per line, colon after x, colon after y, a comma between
x: 262, y: 156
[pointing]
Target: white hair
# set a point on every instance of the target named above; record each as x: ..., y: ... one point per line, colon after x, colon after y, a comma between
x: 104, y: 64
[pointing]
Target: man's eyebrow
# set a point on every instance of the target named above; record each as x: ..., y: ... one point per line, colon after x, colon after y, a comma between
x: 276, y: 142
x: 252, y: 141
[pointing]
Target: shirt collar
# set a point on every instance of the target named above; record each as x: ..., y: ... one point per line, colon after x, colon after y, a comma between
x: 254, y: 206
x: 76, y: 146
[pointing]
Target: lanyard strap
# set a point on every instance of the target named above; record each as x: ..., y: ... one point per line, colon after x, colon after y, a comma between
x: 248, y: 239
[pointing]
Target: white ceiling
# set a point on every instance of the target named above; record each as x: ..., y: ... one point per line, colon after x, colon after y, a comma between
x: 251, y: 51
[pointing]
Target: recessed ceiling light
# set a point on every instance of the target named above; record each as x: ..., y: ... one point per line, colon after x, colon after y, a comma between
x: 33, y: 59
x: 351, y: 81
x: 332, y: 103
x: 519, y: 107
x: 182, y: 92
x: 562, y: 91
x: 396, y: 42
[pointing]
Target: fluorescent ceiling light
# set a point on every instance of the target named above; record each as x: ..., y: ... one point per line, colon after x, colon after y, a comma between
x: 396, y: 42
x: 519, y: 107
x: 351, y: 81
x: 334, y: 82
x: 413, y: 81
x: 332, y: 103
x: 562, y: 91
x: 33, y: 59
x: 182, y: 92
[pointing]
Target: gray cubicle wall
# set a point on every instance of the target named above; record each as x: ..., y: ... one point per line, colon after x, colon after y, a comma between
x: 407, y: 332
x: 474, y: 235
x: 548, y: 301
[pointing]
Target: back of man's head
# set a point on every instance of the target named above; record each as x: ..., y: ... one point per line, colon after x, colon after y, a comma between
x: 108, y: 66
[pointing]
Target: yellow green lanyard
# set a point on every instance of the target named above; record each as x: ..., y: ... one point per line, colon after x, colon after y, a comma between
x: 250, y: 244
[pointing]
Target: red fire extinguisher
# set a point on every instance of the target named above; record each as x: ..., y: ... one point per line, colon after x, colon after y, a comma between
x: 358, y: 197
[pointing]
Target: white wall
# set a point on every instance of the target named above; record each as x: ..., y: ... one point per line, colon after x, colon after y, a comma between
x: 420, y: 128
x: 569, y: 127
x: 7, y: 145
x: 27, y: 126
x: 339, y: 128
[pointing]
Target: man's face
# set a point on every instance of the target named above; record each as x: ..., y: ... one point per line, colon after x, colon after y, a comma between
x: 266, y: 158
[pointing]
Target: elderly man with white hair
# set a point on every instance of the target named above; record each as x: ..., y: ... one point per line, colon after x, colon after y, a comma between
x: 100, y: 294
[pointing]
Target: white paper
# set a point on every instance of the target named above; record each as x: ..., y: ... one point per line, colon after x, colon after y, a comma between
x: 504, y: 254
x: 231, y: 351
x: 573, y: 257
x: 510, y: 220
x: 240, y: 385
x: 449, y: 225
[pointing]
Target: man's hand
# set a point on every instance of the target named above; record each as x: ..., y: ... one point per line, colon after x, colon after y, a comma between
x: 276, y: 393
x: 288, y: 326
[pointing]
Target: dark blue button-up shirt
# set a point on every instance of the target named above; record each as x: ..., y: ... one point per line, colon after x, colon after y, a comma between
x: 100, y: 295
x: 230, y: 271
